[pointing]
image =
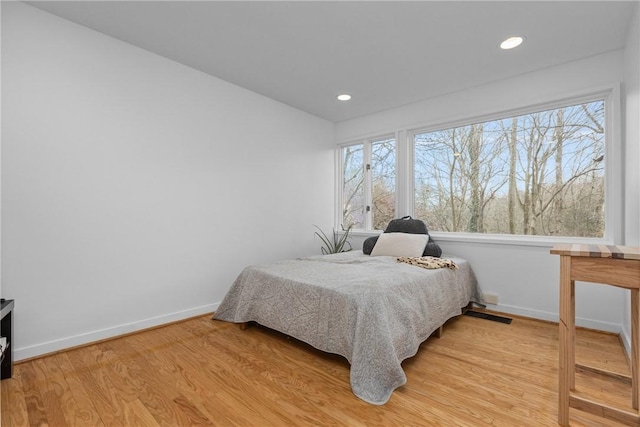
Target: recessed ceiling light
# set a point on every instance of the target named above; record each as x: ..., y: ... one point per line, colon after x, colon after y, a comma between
x: 511, y: 42
x: 344, y: 97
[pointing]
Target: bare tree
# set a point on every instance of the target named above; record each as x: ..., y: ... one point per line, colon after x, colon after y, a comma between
x: 353, y: 186
x: 539, y: 173
x: 383, y: 182
x: 513, y: 189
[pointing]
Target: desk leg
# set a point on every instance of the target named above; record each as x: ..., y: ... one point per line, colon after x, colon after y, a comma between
x: 635, y: 356
x: 566, y: 343
x: 6, y: 330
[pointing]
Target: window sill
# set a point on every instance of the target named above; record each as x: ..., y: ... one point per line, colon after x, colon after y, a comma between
x: 499, y: 239
x: 520, y: 240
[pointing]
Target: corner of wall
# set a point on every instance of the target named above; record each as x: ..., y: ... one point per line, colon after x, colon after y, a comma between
x: 631, y: 132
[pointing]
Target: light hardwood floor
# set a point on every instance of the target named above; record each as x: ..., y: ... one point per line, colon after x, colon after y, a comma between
x: 205, y: 372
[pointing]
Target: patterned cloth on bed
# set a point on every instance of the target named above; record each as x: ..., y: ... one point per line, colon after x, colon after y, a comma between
x: 374, y: 311
x: 428, y: 262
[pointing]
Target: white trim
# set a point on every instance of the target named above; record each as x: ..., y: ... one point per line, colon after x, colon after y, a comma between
x: 614, y: 168
x: 365, y: 138
x: 553, y: 317
x: 565, y: 99
x: 396, y: 190
x: 338, y: 183
x: 402, y: 206
x: 367, y: 186
x: 498, y: 239
x: 408, y: 181
x: 514, y: 239
x: 626, y: 340
x: 112, y: 332
x: 614, y: 201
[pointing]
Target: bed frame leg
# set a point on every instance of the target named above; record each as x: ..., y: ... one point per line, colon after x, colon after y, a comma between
x: 438, y: 333
x: 245, y: 325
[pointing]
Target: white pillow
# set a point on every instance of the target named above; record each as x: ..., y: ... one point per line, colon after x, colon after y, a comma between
x: 400, y: 244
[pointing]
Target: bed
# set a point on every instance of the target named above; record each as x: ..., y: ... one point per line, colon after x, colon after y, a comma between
x: 373, y: 310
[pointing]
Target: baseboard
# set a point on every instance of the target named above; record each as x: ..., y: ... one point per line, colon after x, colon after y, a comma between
x: 625, y: 337
x: 102, y: 334
x: 554, y: 317
x: 87, y: 338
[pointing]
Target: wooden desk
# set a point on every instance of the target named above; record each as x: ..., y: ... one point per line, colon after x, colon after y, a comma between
x: 612, y: 265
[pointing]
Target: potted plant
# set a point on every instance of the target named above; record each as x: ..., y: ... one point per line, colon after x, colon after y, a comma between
x: 337, y: 243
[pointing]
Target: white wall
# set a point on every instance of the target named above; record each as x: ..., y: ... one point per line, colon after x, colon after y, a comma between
x: 631, y: 108
x: 0, y: 149
x: 135, y: 189
x: 525, y: 278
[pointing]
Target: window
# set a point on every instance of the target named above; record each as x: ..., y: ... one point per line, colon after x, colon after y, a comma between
x: 353, y: 200
x: 540, y: 173
x: 536, y: 175
x: 369, y: 184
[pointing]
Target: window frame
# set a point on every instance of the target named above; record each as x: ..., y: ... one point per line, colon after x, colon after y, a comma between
x: 614, y: 202
x: 367, y: 176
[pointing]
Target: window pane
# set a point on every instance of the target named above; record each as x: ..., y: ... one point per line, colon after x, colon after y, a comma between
x: 535, y: 174
x: 383, y: 182
x: 353, y: 203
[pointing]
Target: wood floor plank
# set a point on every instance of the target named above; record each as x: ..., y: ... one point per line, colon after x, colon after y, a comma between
x: 193, y: 415
x: 212, y: 373
x: 33, y: 395
x: 13, y: 405
x: 95, y: 378
x: 78, y: 408
x: 267, y: 372
x: 219, y: 377
x: 54, y: 396
x: 130, y: 365
x: 183, y: 373
x: 137, y: 414
x: 192, y: 377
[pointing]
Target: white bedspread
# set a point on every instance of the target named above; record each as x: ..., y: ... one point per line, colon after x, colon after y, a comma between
x: 374, y: 311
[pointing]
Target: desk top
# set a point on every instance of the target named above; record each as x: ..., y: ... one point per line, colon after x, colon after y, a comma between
x: 5, y: 307
x: 597, y: 251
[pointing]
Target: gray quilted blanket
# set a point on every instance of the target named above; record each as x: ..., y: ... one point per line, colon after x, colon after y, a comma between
x: 374, y: 311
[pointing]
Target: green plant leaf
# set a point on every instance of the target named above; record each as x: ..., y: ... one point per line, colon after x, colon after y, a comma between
x: 337, y: 243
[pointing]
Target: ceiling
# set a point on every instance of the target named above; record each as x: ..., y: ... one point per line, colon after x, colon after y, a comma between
x: 384, y: 53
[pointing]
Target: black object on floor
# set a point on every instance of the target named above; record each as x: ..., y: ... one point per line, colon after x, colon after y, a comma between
x: 488, y: 316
